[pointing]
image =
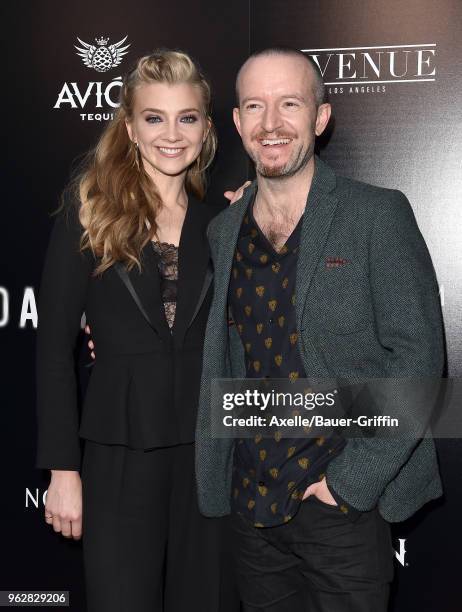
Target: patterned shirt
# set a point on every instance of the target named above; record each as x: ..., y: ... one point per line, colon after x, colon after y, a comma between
x: 270, y: 475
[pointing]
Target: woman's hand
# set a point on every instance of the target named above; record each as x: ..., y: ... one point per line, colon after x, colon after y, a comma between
x: 321, y: 491
x: 90, y: 343
x: 63, y: 507
x: 234, y: 196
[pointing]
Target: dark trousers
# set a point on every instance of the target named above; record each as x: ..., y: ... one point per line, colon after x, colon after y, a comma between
x: 320, y: 561
x: 146, y: 546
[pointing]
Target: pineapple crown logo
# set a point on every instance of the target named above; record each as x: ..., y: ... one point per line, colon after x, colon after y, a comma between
x: 102, y: 57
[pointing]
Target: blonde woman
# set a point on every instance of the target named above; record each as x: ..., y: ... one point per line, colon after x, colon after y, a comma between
x: 129, y: 249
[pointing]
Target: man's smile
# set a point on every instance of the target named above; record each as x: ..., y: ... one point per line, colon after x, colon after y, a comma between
x: 275, y: 142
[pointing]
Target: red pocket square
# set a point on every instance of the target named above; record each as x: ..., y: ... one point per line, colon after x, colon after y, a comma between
x: 336, y: 262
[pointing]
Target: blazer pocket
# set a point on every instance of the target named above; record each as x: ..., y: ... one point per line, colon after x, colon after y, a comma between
x: 341, y: 323
x: 339, y: 301
x: 346, y: 328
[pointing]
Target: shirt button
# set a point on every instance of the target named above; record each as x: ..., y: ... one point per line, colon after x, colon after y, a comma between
x: 270, y: 320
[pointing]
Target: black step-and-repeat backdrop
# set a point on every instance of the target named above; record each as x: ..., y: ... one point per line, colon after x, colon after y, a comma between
x: 393, y: 74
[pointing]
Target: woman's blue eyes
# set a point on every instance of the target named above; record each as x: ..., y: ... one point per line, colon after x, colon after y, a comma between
x: 185, y: 119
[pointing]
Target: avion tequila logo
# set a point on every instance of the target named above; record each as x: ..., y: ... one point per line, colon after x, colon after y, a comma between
x: 102, y: 57
x: 94, y: 100
x: 350, y: 68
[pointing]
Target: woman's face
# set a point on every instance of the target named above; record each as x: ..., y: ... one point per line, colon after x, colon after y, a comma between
x: 169, y: 126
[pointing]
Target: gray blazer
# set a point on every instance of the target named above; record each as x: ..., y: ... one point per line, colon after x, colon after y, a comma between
x: 377, y: 316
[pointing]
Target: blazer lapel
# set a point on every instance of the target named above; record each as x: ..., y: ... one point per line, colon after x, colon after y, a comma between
x: 194, y: 271
x: 144, y: 288
x: 317, y: 218
x: 205, y: 287
x: 122, y: 272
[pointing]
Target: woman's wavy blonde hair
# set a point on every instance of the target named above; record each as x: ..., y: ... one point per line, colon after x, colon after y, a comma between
x: 116, y: 195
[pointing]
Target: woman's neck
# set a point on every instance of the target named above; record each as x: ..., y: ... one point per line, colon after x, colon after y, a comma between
x: 171, y: 189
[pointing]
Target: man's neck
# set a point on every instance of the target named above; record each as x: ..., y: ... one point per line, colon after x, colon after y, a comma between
x: 284, y: 198
x: 280, y: 203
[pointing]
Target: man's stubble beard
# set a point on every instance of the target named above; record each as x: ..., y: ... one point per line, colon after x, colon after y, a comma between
x: 293, y: 166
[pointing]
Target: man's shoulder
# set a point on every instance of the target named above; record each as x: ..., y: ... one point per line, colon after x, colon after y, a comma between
x: 221, y: 217
x: 215, y: 224
x: 225, y: 220
x: 368, y: 197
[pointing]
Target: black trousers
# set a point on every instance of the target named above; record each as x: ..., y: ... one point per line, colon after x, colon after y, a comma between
x: 320, y: 561
x: 146, y: 547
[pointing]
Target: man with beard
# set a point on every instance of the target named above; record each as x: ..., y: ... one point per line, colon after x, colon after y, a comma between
x: 321, y: 277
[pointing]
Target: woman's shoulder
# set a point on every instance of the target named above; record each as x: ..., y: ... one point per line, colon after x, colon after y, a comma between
x: 207, y: 208
x: 67, y: 215
x: 67, y: 229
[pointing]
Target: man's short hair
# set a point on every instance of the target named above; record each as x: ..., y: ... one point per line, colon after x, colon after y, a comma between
x: 319, y: 89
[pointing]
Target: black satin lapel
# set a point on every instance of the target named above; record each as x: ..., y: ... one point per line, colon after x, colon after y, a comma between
x: 193, y: 260
x: 144, y: 288
x: 147, y: 285
x: 122, y: 272
x: 205, y: 287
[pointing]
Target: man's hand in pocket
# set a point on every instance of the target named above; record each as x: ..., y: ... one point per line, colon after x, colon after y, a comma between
x: 321, y: 491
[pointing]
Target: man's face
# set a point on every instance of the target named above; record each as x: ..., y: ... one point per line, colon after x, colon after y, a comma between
x: 277, y: 117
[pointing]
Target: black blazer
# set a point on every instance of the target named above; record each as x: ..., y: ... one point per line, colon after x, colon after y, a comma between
x: 144, y: 387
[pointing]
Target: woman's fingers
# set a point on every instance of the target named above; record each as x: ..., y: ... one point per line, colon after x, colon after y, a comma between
x: 56, y: 522
x: 66, y: 528
x: 91, y: 346
x: 234, y: 196
x: 77, y: 529
x: 90, y: 343
x: 63, y: 508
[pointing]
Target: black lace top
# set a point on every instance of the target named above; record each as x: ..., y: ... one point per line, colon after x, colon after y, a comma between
x: 168, y: 269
